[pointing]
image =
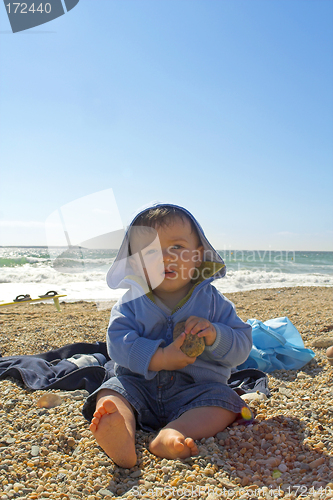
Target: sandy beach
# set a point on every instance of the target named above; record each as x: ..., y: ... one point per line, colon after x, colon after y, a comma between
x: 286, y: 453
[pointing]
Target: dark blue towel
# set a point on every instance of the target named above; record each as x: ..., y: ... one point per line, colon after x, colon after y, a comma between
x: 53, y: 370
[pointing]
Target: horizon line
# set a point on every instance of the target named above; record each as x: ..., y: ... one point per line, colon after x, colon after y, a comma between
x: 116, y: 249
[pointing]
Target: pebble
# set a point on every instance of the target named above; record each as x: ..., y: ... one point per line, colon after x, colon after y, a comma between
x: 35, y: 451
x: 317, y: 462
x: 282, y: 467
x: 76, y: 395
x: 136, y: 473
x: 222, y: 435
x: 103, y: 492
x: 286, y: 392
x: 254, y: 396
x: 323, y: 342
x: 49, y: 453
x: 49, y: 400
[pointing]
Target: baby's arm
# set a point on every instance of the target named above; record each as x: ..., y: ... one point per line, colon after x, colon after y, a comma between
x: 138, y: 353
x: 233, y: 340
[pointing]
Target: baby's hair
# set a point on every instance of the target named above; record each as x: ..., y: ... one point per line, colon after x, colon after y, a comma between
x: 162, y: 216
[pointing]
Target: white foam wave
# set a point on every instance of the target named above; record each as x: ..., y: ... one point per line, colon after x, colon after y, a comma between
x: 236, y: 281
x: 36, y: 260
x: 47, y: 274
x: 91, y: 285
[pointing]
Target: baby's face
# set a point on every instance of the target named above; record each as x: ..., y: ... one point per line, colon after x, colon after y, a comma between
x: 170, y: 255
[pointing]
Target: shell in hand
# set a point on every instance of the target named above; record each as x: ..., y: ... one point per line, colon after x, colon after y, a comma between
x: 193, y: 345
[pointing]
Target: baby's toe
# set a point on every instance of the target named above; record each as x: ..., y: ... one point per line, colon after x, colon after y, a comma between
x: 100, y: 412
x: 191, y: 444
x: 178, y: 445
x: 92, y: 427
x: 95, y: 421
x: 109, y: 406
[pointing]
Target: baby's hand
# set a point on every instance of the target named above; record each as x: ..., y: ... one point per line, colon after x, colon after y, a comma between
x: 173, y: 356
x: 194, y: 324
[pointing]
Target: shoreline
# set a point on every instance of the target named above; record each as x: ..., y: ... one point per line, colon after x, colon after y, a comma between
x: 52, y: 454
x: 103, y: 302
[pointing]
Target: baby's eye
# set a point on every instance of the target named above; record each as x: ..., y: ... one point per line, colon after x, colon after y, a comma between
x: 177, y: 247
x: 150, y: 252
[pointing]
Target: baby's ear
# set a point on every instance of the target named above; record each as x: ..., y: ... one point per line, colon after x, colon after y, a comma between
x: 135, y: 263
x: 199, y: 257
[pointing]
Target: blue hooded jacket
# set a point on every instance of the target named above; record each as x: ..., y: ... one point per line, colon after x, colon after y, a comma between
x: 138, y: 327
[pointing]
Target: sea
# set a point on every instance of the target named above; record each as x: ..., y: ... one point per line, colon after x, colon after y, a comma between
x: 80, y: 273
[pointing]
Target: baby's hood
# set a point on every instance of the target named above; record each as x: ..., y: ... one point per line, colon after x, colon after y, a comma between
x: 120, y: 273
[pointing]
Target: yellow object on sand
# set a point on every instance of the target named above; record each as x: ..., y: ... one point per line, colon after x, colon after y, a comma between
x: 39, y: 299
x: 246, y: 413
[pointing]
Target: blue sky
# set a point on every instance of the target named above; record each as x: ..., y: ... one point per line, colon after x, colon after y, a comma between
x: 221, y: 106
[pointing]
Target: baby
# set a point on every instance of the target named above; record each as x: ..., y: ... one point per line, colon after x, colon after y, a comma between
x: 168, y: 266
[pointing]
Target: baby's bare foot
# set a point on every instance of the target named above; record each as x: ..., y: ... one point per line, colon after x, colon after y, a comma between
x: 111, y: 433
x: 329, y: 354
x: 171, y: 444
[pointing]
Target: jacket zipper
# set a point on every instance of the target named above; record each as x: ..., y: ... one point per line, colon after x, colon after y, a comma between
x: 169, y: 327
x: 169, y: 334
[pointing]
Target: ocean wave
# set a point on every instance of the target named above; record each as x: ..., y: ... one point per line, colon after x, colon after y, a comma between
x: 242, y: 280
x: 13, y: 262
x: 91, y: 286
x: 47, y: 274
